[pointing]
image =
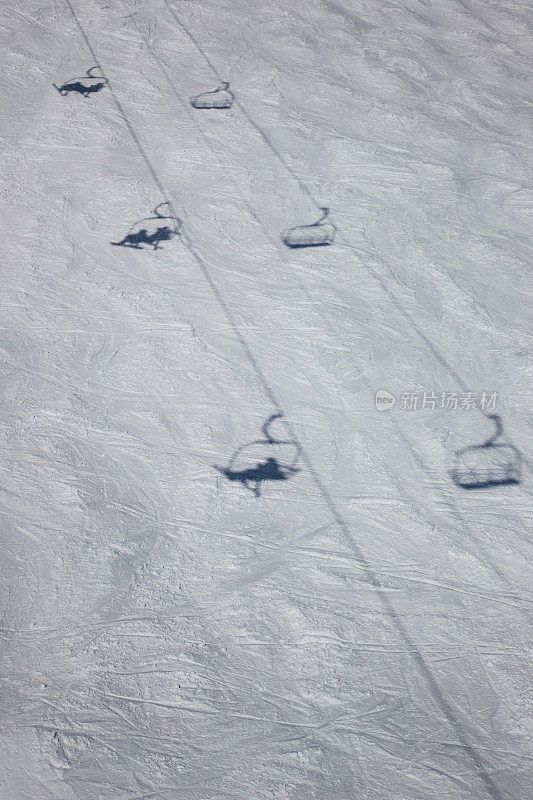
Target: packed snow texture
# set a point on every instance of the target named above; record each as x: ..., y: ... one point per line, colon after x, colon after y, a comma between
x: 355, y: 630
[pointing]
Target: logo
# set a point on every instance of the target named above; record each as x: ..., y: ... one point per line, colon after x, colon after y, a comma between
x: 384, y: 400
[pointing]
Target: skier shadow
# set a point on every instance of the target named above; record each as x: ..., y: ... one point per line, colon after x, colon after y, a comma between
x: 268, y: 467
x: 85, y: 85
x: 152, y: 232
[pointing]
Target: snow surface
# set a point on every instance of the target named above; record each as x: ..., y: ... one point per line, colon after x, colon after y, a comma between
x: 357, y: 632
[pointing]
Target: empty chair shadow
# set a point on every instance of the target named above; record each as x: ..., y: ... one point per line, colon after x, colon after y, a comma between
x: 221, y: 97
x: 275, y: 460
x: 319, y: 233
x: 86, y: 85
x: 489, y: 464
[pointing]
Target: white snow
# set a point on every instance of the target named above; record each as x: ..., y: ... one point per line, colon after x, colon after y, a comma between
x: 359, y: 630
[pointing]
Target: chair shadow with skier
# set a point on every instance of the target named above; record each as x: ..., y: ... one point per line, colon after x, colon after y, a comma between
x: 151, y: 231
x: 265, y: 459
x: 85, y: 85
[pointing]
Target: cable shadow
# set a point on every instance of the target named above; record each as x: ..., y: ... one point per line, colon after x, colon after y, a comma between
x: 310, y: 195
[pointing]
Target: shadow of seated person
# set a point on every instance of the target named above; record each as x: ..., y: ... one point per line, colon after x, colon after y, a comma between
x: 253, y: 477
x: 160, y: 235
x: 134, y: 239
x: 141, y: 237
x: 77, y: 86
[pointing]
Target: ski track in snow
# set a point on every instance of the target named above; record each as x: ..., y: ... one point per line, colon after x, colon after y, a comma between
x: 358, y: 632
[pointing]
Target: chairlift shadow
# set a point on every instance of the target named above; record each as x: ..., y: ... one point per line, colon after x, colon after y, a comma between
x: 265, y: 459
x: 221, y: 97
x: 489, y: 464
x: 85, y: 85
x: 319, y: 233
x: 149, y: 231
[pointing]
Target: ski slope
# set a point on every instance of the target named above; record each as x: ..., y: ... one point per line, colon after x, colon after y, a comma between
x: 356, y: 628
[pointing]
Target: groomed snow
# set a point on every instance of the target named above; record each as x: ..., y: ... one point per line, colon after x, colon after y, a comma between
x: 357, y: 631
